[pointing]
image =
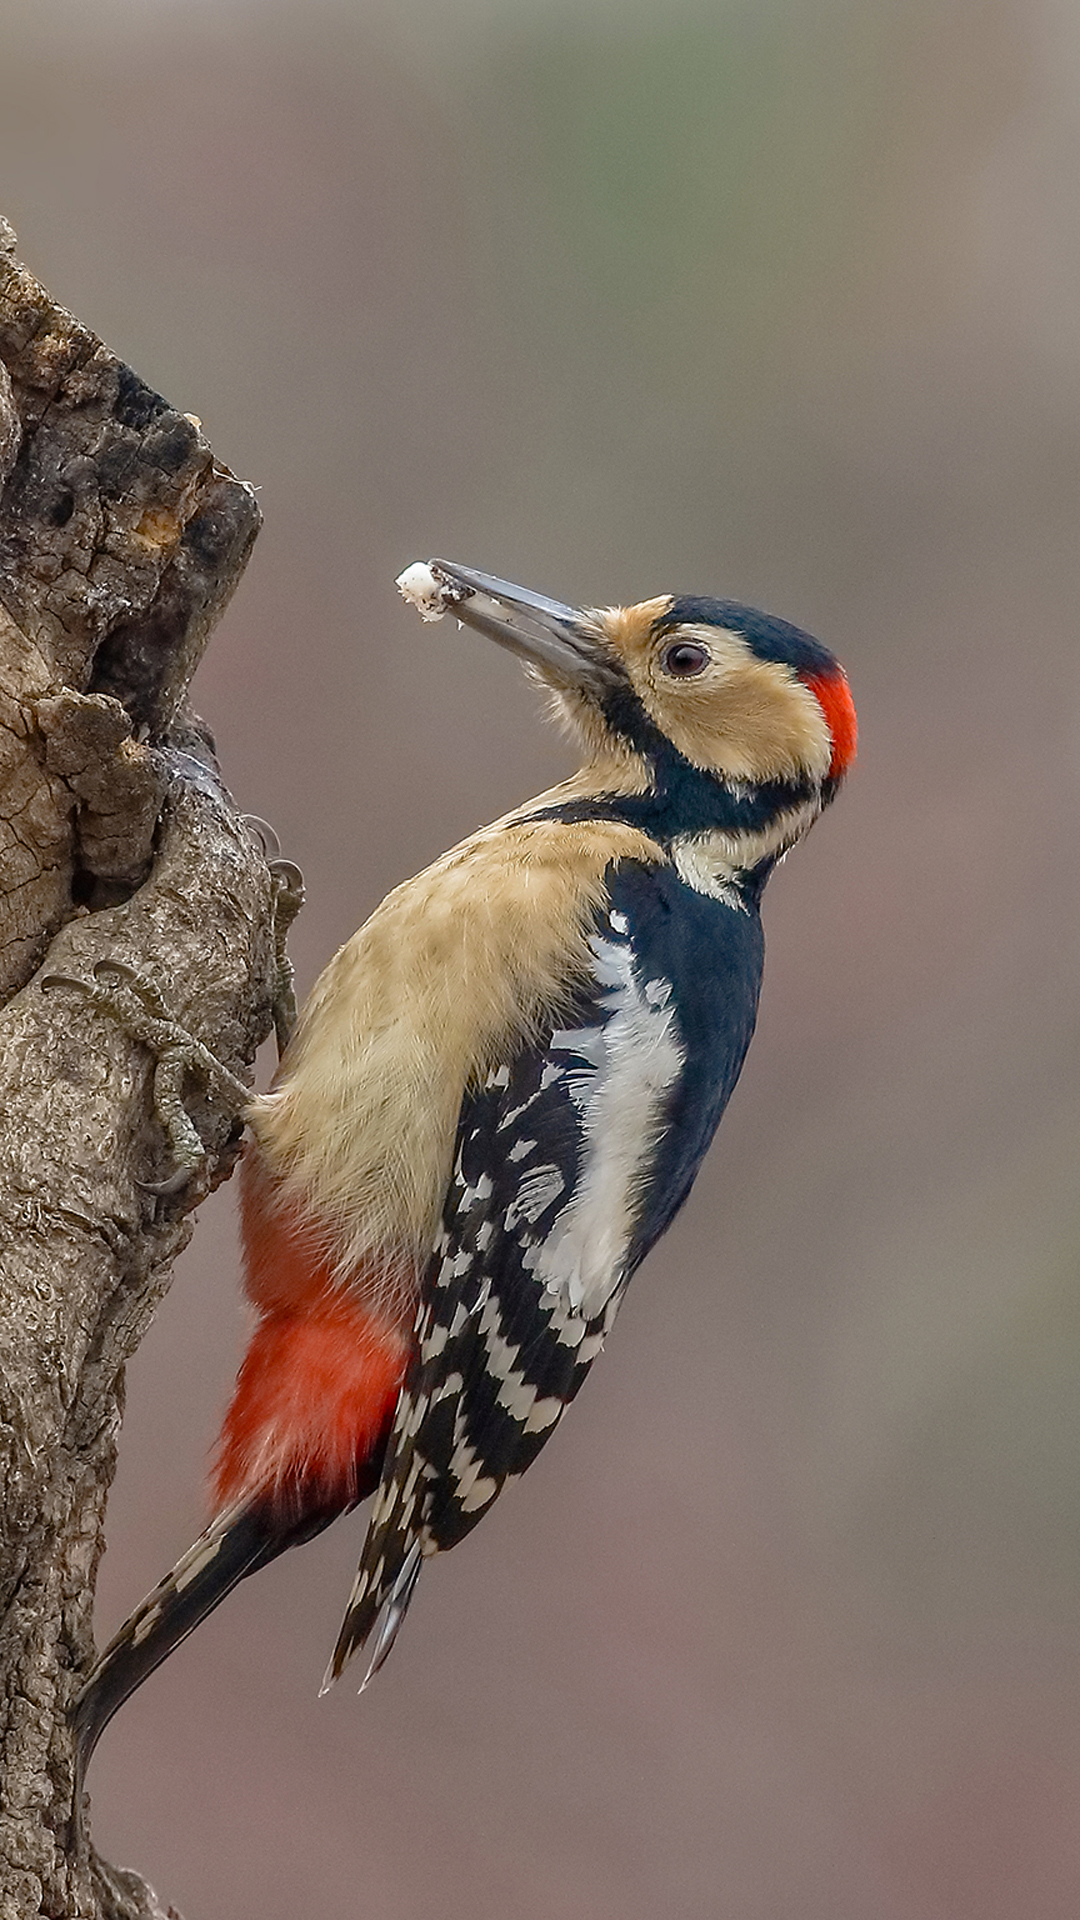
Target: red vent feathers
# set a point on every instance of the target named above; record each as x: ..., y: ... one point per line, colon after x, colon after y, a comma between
x: 316, y: 1392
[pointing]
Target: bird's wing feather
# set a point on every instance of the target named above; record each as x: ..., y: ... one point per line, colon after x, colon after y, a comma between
x: 553, y: 1201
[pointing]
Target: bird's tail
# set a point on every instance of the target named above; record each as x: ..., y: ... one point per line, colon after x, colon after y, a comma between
x: 237, y: 1542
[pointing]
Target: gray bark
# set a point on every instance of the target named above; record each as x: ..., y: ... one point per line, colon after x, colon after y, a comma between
x: 121, y: 540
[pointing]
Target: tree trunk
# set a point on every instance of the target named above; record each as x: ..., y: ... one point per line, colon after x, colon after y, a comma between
x: 121, y: 540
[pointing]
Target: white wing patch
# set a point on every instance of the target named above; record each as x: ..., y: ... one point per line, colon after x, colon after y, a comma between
x: 633, y: 1061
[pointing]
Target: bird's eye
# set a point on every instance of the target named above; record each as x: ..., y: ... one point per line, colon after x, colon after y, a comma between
x: 684, y: 658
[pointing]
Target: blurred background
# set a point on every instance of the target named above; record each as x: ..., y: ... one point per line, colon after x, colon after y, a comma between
x: 775, y: 299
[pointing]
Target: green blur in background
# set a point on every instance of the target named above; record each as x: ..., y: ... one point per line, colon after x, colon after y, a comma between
x: 774, y: 300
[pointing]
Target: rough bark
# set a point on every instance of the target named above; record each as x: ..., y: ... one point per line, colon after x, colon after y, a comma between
x: 121, y: 540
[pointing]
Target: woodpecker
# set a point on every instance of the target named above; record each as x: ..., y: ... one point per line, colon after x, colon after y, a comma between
x: 498, y: 1097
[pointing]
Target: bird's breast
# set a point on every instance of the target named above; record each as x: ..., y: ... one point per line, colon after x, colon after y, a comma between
x: 447, y: 979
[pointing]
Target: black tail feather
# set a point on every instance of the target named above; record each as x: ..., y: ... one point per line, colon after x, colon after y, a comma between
x: 236, y: 1543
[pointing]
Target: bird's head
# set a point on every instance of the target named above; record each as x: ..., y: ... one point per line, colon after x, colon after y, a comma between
x: 746, y: 699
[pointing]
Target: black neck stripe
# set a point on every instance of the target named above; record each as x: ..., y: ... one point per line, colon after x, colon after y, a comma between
x: 684, y: 799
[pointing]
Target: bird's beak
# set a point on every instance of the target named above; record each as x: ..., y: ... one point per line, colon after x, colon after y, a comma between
x: 564, y: 641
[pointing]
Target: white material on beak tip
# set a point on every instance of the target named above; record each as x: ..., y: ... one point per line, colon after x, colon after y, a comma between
x: 424, y: 590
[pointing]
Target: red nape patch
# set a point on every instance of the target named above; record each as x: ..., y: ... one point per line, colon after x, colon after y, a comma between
x: 833, y: 696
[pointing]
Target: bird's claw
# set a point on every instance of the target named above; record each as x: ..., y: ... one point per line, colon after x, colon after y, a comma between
x: 167, y: 1189
x: 263, y: 832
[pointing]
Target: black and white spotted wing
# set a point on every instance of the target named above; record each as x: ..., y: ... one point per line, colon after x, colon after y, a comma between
x: 570, y: 1161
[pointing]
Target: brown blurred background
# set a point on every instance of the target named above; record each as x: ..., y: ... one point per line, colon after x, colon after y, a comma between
x: 776, y: 300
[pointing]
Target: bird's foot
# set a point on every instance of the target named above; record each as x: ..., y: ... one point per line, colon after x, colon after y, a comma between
x: 287, y: 883
x: 137, y: 1006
